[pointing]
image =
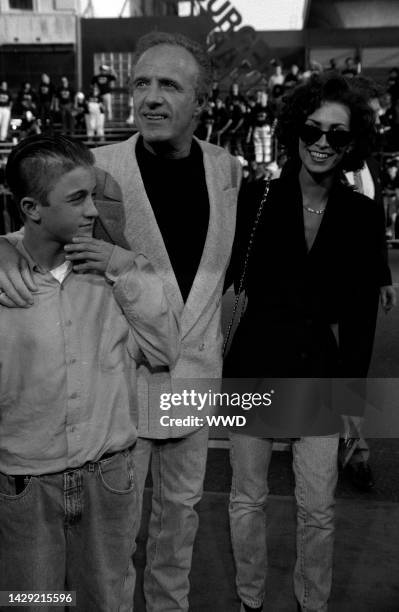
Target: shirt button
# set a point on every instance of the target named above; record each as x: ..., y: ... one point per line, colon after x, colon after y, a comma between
x: 201, y: 346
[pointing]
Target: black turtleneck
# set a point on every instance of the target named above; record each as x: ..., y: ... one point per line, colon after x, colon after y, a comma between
x: 176, y: 189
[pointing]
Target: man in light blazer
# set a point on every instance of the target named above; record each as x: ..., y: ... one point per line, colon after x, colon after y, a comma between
x: 179, y: 199
x: 173, y: 198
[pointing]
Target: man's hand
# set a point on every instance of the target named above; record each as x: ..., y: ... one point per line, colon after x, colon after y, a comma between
x: 16, y: 281
x: 388, y: 297
x: 95, y: 253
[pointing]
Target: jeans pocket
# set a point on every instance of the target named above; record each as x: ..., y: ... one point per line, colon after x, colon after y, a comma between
x: 14, y: 488
x: 117, y: 474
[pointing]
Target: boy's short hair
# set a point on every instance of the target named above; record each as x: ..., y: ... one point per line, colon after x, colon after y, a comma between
x: 38, y: 161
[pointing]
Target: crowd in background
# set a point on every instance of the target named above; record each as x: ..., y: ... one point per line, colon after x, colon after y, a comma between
x: 33, y: 110
x: 241, y: 120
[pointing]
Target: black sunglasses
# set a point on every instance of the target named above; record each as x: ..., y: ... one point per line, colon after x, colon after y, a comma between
x: 337, y: 139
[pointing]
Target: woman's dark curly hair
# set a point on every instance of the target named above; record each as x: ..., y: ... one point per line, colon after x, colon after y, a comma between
x: 309, y: 96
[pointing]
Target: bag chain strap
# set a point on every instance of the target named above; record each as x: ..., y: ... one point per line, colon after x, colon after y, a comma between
x: 245, y: 265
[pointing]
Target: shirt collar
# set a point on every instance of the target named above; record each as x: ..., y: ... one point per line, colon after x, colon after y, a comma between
x: 31, y: 262
x: 34, y: 267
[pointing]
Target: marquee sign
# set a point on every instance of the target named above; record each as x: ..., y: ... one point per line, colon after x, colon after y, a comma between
x: 231, y: 47
x: 225, y: 17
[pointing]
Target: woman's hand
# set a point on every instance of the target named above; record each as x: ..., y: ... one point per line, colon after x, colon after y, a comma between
x: 95, y: 253
x: 388, y: 297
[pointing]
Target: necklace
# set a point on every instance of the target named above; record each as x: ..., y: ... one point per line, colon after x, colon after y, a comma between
x: 315, y: 211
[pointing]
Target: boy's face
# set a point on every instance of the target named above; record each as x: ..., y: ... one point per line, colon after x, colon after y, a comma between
x: 70, y: 211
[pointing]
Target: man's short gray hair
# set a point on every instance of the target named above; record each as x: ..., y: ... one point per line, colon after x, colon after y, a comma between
x: 199, y: 53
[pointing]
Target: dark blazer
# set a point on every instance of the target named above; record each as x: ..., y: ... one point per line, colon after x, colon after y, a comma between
x: 375, y: 171
x: 294, y: 296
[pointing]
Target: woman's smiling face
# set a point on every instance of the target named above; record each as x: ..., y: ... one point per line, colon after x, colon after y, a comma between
x: 319, y: 156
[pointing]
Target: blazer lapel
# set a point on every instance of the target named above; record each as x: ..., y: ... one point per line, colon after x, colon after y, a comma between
x: 142, y: 226
x: 143, y: 234
x: 109, y: 202
x: 290, y: 216
x: 217, y: 248
x: 329, y: 230
x: 141, y: 229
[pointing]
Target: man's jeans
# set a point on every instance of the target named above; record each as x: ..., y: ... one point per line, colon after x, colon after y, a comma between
x: 316, y: 472
x: 178, y: 470
x: 73, y: 531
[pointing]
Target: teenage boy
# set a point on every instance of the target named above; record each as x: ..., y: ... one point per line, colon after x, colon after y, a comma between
x: 68, y: 497
x: 178, y: 196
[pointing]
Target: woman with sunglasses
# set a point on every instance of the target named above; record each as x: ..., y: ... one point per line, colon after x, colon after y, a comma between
x: 312, y: 283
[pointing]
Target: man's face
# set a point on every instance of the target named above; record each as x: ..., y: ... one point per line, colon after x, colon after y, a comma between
x: 70, y: 211
x: 165, y: 100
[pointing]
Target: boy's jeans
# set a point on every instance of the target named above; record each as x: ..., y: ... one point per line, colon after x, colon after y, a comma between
x: 316, y: 472
x: 73, y: 531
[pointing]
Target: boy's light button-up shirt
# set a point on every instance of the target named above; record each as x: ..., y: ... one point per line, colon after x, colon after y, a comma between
x: 68, y: 366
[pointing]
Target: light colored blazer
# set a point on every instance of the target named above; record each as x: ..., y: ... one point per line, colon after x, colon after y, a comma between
x: 119, y: 180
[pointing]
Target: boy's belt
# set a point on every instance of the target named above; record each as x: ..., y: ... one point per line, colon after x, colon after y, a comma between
x: 21, y: 480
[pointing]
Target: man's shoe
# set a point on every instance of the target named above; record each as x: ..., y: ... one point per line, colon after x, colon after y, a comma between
x: 360, y: 475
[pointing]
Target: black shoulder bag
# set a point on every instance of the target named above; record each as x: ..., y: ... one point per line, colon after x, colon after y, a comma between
x: 244, y: 269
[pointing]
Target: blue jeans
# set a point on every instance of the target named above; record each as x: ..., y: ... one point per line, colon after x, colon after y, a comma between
x: 316, y: 473
x: 178, y: 470
x: 74, y: 530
